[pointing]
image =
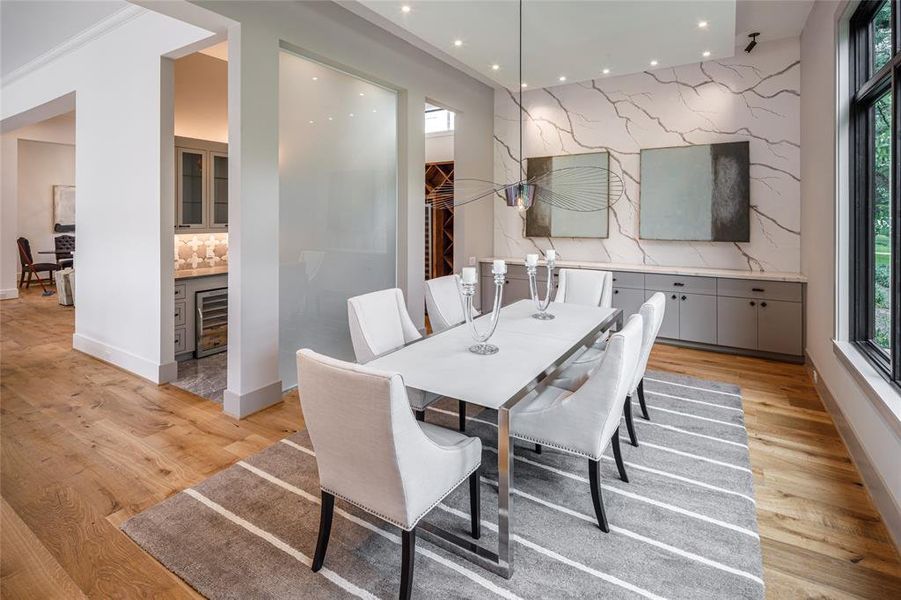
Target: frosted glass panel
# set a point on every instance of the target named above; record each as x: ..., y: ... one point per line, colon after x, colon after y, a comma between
x: 337, y: 204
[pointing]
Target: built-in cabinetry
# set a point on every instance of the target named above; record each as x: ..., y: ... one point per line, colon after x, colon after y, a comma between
x: 750, y: 316
x: 201, y: 186
x: 189, y: 290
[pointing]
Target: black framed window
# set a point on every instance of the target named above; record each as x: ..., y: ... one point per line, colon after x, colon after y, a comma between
x: 875, y: 289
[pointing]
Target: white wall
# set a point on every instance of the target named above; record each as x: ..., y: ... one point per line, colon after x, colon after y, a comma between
x: 41, y: 165
x: 439, y: 147
x: 327, y: 32
x: 869, y: 427
x: 201, y: 98
x: 123, y: 95
x: 749, y: 97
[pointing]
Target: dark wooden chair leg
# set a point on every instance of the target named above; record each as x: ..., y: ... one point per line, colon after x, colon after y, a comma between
x: 325, y: 528
x: 537, y: 448
x: 627, y: 412
x: 461, y: 409
x: 420, y: 415
x: 22, y: 278
x: 644, y: 407
x: 408, y: 555
x: 618, y: 456
x: 475, y: 504
x: 28, y: 281
x: 594, y: 477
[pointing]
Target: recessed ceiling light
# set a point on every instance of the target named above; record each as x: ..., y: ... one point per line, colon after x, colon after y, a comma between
x: 329, y: 118
x: 350, y: 115
x: 702, y: 24
x: 606, y: 71
x: 653, y: 63
x: 524, y: 85
x: 315, y: 79
x: 458, y: 43
x: 495, y: 67
x: 706, y: 53
x: 373, y: 110
x: 311, y: 122
x: 405, y: 8
x: 563, y: 78
x: 362, y: 94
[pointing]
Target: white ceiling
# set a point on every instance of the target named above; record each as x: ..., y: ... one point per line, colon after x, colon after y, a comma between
x: 31, y: 28
x: 579, y: 39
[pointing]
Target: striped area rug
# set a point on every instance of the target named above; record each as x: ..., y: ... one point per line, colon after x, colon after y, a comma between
x: 684, y: 527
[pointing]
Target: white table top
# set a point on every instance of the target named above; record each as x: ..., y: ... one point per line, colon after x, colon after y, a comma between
x: 443, y: 364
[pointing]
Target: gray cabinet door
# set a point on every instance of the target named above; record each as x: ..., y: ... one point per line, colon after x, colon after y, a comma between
x: 736, y: 322
x: 697, y: 318
x: 779, y: 327
x: 629, y: 300
x: 670, y: 326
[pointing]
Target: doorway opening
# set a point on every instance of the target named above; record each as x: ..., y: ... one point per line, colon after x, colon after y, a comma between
x: 439, y: 173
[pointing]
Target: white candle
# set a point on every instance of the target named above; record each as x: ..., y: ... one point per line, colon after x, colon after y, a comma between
x: 531, y: 260
x: 469, y: 274
x: 499, y: 268
x: 551, y: 255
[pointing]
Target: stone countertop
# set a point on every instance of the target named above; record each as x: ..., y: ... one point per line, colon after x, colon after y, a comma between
x: 202, y: 272
x: 698, y: 271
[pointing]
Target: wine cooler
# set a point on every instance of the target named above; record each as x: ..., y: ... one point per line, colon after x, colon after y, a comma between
x: 212, y: 322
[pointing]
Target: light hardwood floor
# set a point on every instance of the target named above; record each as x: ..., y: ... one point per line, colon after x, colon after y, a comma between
x: 85, y: 446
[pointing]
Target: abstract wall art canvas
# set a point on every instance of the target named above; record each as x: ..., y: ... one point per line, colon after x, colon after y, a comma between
x: 696, y: 193
x: 544, y: 219
x: 63, y: 208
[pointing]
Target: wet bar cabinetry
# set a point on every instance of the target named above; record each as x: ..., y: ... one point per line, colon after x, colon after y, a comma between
x: 759, y: 314
x: 191, y: 287
x: 201, y: 186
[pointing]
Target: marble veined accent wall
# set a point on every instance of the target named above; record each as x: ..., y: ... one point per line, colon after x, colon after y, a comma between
x: 753, y: 97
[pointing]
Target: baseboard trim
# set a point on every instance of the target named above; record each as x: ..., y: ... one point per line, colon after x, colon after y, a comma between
x: 10, y: 294
x: 790, y: 358
x: 872, y: 479
x: 242, y: 405
x: 155, y: 372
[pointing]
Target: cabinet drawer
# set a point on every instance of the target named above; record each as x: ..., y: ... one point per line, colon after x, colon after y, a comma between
x: 180, y: 293
x: 750, y: 288
x: 628, y: 300
x: 180, y: 313
x: 180, y: 340
x: 624, y: 279
x: 678, y: 283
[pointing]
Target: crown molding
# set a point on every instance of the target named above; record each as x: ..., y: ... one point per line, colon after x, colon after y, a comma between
x: 117, y: 19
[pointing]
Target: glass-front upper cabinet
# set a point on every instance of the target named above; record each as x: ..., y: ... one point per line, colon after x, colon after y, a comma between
x: 219, y: 189
x: 191, y: 193
x: 201, y: 181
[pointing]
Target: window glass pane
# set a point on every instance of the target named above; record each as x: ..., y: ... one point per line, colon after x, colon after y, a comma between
x: 439, y: 120
x: 337, y: 204
x: 882, y: 228
x: 882, y: 36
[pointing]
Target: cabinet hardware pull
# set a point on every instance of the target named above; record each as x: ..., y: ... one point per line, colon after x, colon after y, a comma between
x: 683, y: 297
x: 763, y: 304
x: 758, y: 290
x: 678, y: 284
x: 674, y: 296
x: 753, y: 303
x: 615, y: 291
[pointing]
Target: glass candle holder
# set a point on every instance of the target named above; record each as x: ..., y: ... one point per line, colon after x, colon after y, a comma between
x: 541, y: 305
x: 469, y: 289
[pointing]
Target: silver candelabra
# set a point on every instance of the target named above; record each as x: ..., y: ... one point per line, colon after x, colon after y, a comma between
x: 532, y: 270
x: 469, y: 289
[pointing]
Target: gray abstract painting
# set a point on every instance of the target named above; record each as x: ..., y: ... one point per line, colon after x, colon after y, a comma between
x: 696, y: 193
x: 544, y: 219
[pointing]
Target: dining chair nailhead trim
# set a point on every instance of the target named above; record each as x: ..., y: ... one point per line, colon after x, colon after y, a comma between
x: 552, y: 445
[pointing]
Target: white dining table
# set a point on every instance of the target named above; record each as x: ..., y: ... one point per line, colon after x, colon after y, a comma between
x: 529, y: 351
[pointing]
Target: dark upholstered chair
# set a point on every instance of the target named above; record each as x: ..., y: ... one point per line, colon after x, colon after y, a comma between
x: 31, y: 267
x: 64, y: 246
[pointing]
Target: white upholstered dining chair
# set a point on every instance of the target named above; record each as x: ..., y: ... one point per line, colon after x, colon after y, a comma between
x: 572, y: 377
x: 584, y: 421
x: 371, y: 453
x: 379, y: 323
x: 584, y: 286
x: 444, y: 302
